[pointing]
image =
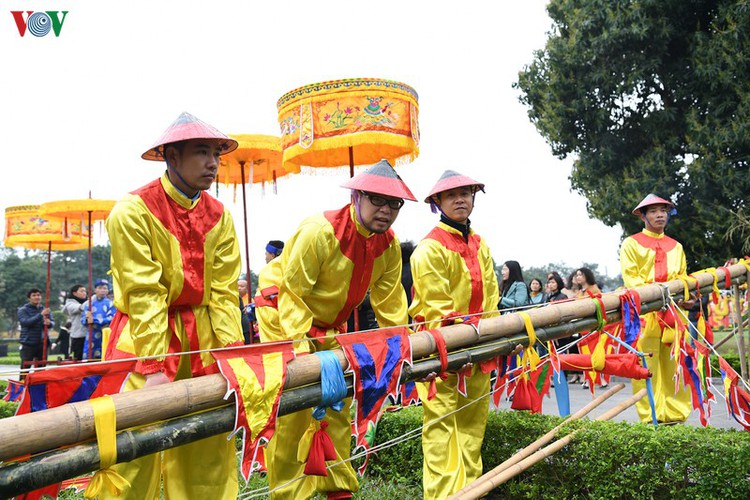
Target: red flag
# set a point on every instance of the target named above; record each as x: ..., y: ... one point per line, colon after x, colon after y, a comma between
x: 624, y: 365
x: 256, y: 374
x: 738, y: 399
x: 14, y: 391
x: 70, y: 383
x: 376, y: 360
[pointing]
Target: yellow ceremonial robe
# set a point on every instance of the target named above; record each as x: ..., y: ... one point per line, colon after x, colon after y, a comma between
x: 452, y: 275
x: 322, y: 275
x: 175, y: 264
x: 649, y: 257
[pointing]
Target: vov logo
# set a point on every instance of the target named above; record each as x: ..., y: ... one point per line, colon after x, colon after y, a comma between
x: 39, y: 23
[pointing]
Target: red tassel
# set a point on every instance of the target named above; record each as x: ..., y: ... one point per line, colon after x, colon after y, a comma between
x: 321, y: 449
x: 526, y: 397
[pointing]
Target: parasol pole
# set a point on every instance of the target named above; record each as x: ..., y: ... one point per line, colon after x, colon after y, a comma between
x: 46, y: 301
x: 244, y: 219
x: 90, y: 352
x: 351, y: 162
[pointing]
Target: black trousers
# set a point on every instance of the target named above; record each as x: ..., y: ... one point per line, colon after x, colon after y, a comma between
x: 76, y: 348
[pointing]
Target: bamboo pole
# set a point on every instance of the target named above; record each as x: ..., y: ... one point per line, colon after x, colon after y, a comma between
x: 74, y: 423
x: 546, y: 438
x: 740, y: 331
x: 488, y: 482
x: 52, y: 467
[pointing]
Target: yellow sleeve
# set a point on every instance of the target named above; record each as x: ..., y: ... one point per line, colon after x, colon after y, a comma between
x: 489, y: 282
x: 683, y: 260
x: 432, y: 288
x: 140, y: 293
x: 632, y: 273
x: 387, y: 295
x: 308, y: 249
x: 223, y: 304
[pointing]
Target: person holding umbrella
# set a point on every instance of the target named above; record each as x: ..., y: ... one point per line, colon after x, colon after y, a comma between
x: 309, y: 291
x: 99, y: 317
x: 175, y: 263
x: 653, y: 257
x: 33, y: 317
x: 454, y: 276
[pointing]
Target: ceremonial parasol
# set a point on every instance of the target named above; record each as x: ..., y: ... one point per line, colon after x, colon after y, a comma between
x: 78, y: 210
x: 356, y: 121
x: 25, y: 228
x: 261, y: 154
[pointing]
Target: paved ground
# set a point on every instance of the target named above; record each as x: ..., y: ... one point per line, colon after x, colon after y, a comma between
x: 580, y: 397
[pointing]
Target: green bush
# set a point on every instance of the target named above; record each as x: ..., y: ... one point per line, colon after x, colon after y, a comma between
x: 7, y: 409
x: 731, y: 357
x: 605, y: 460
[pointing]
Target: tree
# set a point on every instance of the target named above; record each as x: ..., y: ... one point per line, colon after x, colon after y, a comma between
x: 650, y: 96
x: 20, y: 272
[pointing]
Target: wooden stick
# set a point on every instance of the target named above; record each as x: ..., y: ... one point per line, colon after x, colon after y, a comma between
x: 740, y: 331
x: 73, y: 423
x: 546, y: 438
x: 488, y: 482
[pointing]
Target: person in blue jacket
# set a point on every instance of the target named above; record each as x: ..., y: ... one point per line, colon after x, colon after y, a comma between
x: 514, y: 293
x: 33, y: 317
x: 100, y: 316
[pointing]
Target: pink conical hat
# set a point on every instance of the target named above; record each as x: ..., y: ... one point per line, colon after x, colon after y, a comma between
x: 381, y: 178
x: 450, y: 180
x: 651, y: 199
x: 184, y: 128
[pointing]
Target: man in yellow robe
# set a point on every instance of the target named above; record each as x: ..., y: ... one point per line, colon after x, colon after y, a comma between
x: 309, y: 292
x: 653, y: 257
x: 175, y: 263
x: 453, y: 274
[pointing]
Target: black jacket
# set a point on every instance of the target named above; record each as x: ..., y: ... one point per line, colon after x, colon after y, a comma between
x: 32, y: 323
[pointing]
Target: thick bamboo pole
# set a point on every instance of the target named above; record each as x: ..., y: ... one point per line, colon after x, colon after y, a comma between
x: 73, y: 423
x: 740, y: 331
x: 488, y: 482
x: 546, y: 438
x: 52, y: 467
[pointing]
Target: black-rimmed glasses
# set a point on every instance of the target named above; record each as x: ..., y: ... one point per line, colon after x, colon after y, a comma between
x: 379, y: 201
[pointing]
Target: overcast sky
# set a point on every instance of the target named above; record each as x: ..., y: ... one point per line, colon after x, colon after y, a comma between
x: 79, y: 109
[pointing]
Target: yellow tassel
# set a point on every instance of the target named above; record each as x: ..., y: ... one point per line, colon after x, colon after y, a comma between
x: 105, y: 422
x: 530, y: 355
x: 599, y: 354
x: 303, y: 449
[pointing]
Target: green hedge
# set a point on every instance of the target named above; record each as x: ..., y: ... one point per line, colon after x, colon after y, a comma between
x: 606, y: 460
x: 7, y: 409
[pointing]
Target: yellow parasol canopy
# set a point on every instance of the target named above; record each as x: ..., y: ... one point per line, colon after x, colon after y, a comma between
x: 258, y: 155
x: 351, y: 122
x: 77, y: 209
x: 26, y: 228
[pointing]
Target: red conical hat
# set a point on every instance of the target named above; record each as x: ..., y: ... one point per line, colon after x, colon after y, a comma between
x: 450, y: 180
x: 651, y: 199
x: 381, y: 178
x: 184, y: 128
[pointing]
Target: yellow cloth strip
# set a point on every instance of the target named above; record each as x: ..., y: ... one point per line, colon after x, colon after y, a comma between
x: 686, y: 285
x: 530, y: 355
x: 105, y: 422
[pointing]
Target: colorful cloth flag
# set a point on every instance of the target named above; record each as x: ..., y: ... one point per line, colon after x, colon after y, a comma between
x: 692, y: 365
x: 65, y: 384
x: 256, y: 375
x: 738, y: 399
x: 73, y: 383
x: 14, y: 391
x: 376, y: 361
